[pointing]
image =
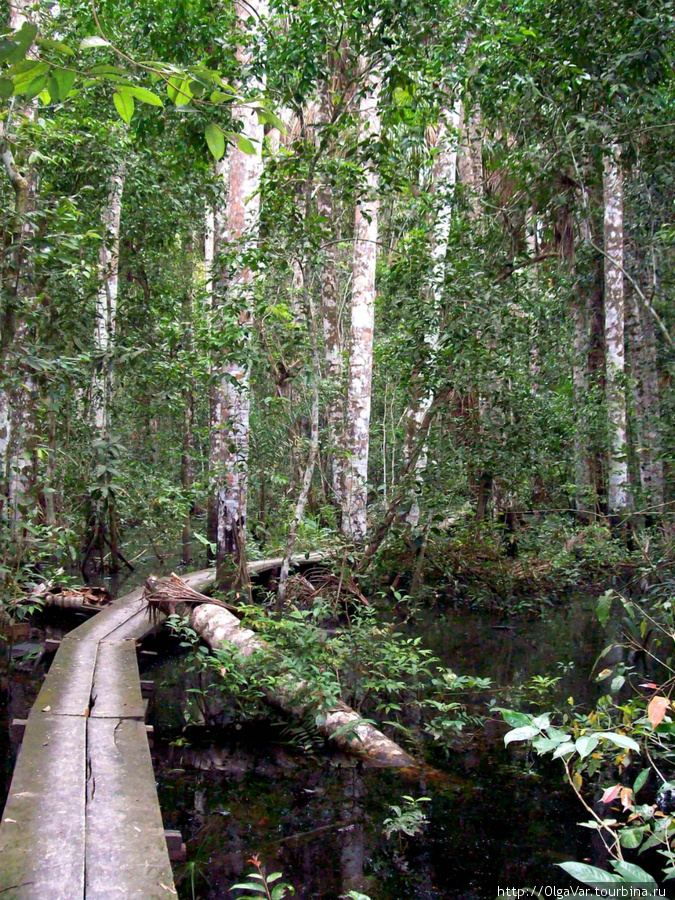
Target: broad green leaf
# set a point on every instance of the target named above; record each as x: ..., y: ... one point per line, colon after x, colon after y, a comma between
x: 172, y: 87
x: 617, y: 683
x: 222, y: 97
x: 515, y: 719
x: 640, y: 781
x: 145, y: 96
x: 604, y: 607
x: 34, y: 87
x: 560, y: 737
x: 57, y: 46
x: 589, y: 874
x: 249, y: 887
x: 564, y: 750
x: 526, y: 733
x: 544, y: 745
x: 245, y: 145
x: 633, y: 874
x: 264, y: 115
x: 93, y: 41
x: 124, y: 104
x: 106, y: 69
x: 6, y: 88
x: 542, y: 722
x: 45, y: 97
x: 65, y: 80
x: 631, y: 838
x: 183, y: 93
x: 586, y: 744
x: 9, y: 49
x: 621, y: 740
x: 216, y: 140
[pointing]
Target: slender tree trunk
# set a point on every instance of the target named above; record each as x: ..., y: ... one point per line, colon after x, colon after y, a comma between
x: 232, y: 400
x: 619, y: 495
x: 444, y: 178
x: 312, y: 456
x: 332, y: 333
x: 106, y: 303
x: 645, y: 380
x: 355, y: 498
x: 187, y: 454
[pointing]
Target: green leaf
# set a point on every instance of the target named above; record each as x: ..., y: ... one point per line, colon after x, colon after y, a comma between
x: 183, y: 93
x: 526, y: 733
x: 515, y: 719
x: 621, y: 740
x: 631, y: 838
x: 6, y: 88
x: 34, y: 87
x: 251, y: 886
x: 633, y: 874
x: 640, y: 781
x: 145, y: 96
x: 604, y: 607
x: 124, y: 104
x: 586, y: 744
x: 215, y: 140
x: 563, y: 750
x: 265, y: 116
x: 93, y: 41
x: 57, y: 46
x: 65, y: 81
x: 617, y: 683
x: 589, y: 874
x: 222, y: 97
x: 544, y: 745
x: 245, y: 145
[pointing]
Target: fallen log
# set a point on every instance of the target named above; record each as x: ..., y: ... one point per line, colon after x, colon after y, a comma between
x: 217, y: 626
x: 89, y: 597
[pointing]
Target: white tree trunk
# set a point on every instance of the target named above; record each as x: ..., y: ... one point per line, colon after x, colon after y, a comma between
x: 106, y: 302
x: 444, y: 179
x: 618, y: 499
x: 232, y: 402
x: 354, y: 501
x: 645, y: 380
x: 332, y: 332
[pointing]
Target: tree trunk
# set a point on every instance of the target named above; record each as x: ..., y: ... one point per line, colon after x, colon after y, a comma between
x: 312, y: 456
x: 332, y: 334
x: 187, y: 454
x: 232, y: 400
x: 355, y: 498
x: 218, y: 627
x: 444, y: 178
x: 618, y: 500
x: 645, y: 381
x: 106, y: 303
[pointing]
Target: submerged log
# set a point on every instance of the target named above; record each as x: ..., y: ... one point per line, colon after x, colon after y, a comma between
x: 217, y: 626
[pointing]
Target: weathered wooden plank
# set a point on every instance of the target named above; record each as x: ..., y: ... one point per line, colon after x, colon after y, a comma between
x: 116, y: 692
x: 126, y: 849
x: 42, y: 834
x: 110, y: 618
x: 67, y: 687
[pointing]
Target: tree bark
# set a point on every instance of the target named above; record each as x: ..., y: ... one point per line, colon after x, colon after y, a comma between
x: 645, y: 382
x: 355, y: 498
x: 330, y: 309
x: 232, y: 393
x: 106, y: 302
x: 311, y: 458
x: 444, y: 178
x: 618, y: 500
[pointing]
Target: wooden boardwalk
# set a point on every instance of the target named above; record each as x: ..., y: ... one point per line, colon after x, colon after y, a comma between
x: 82, y: 820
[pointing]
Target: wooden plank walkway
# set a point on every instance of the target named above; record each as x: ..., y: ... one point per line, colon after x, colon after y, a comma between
x: 82, y: 819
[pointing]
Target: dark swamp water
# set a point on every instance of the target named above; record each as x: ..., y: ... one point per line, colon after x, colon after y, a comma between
x: 497, y: 818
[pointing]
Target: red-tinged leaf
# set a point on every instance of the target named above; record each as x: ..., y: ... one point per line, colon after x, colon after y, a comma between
x: 650, y: 684
x: 611, y: 793
x: 657, y: 710
x: 626, y: 797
